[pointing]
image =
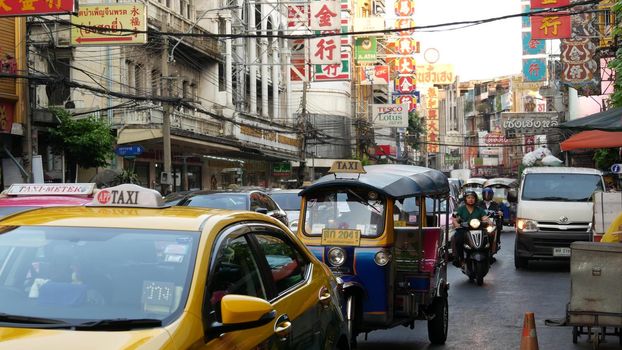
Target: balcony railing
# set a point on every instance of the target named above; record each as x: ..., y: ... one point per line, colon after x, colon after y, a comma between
x: 179, y: 120
x: 159, y: 14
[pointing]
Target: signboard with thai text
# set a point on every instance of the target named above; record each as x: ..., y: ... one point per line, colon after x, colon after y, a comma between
x: 390, y: 116
x: 36, y: 7
x: 435, y: 74
x: 107, y: 24
x: 530, y: 123
x: 365, y: 49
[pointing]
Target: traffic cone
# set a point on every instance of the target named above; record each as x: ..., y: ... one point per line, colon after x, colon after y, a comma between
x: 529, y: 340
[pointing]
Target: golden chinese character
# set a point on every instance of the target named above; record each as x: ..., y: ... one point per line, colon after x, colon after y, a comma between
x: 27, y: 5
x: 550, y: 22
x: 51, y: 3
x: 547, y: 2
x: 4, y: 6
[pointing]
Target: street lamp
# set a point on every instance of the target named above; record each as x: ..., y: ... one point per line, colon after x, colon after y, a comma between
x: 171, y: 57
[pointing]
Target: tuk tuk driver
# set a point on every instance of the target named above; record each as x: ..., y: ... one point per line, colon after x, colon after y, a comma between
x: 469, y: 210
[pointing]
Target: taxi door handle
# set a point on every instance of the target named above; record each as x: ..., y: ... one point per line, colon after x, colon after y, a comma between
x: 324, y: 297
x: 282, y: 329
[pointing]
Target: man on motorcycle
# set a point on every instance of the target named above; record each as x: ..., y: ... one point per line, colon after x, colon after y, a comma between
x: 489, y: 205
x: 465, y: 213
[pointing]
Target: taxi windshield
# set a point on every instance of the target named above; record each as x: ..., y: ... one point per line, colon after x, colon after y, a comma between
x: 345, y: 209
x: 81, y: 274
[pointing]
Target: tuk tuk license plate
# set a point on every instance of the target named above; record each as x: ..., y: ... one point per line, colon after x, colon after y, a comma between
x: 561, y: 251
x: 341, y: 237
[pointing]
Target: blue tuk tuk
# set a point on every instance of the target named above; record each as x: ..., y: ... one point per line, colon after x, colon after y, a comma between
x: 379, y: 229
x: 502, y: 186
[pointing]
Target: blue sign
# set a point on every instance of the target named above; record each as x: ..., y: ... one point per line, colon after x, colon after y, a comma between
x: 616, y: 168
x: 129, y: 151
x: 533, y: 46
x: 534, y: 69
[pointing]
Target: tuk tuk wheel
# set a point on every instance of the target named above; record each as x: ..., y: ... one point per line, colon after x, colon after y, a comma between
x: 575, y: 334
x: 437, y: 326
x: 353, y: 317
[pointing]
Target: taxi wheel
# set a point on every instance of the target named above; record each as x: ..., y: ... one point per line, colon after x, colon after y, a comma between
x: 437, y: 326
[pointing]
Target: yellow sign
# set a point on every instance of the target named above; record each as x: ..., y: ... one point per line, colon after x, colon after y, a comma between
x: 341, y: 237
x: 347, y: 166
x: 109, y: 24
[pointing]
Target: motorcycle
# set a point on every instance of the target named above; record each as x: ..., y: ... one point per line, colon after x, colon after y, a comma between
x: 494, y: 230
x: 477, y: 253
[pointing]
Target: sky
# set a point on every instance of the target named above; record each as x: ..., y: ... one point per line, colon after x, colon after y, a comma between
x: 477, y: 52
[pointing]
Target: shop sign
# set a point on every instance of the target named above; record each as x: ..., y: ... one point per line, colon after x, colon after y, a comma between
x: 451, y: 159
x: 542, y: 4
x: 390, y: 116
x: 407, y: 25
x: 530, y: 123
x: 435, y: 74
x: 365, y: 49
x: 337, y: 71
x: 129, y: 151
x: 385, y: 150
x: 405, y: 65
x: 325, y: 15
x: 578, y: 63
x: 492, y: 139
x: 297, y: 16
x: 35, y: 7
x: 111, y: 21
x: 410, y: 100
x: 551, y: 25
x: 404, y: 8
x: 374, y: 75
x: 7, y: 115
x: 406, y: 84
x: 534, y: 69
x: 533, y: 46
x: 281, y: 169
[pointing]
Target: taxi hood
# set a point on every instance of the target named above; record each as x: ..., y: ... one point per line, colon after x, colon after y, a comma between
x: 64, y: 339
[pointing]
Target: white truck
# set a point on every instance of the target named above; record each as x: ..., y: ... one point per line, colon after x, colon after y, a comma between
x: 554, y: 209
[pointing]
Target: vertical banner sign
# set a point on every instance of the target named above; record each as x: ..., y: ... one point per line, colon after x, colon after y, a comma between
x: 432, y: 124
x: 578, y: 63
x: 325, y: 19
x: 405, y: 65
x: 550, y: 25
x: 7, y: 115
x: 110, y: 20
x: 534, y: 69
x: 408, y: 100
x: 526, y: 21
x: 404, y: 8
x: 36, y: 7
x: 406, y: 84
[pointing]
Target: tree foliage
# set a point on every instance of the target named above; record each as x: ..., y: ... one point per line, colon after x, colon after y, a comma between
x: 85, y: 142
x: 616, y: 63
x: 415, y: 130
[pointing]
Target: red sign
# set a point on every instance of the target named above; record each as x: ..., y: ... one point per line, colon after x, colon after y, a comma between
x: 405, y: 23
x: 406, y: 84
x: 543, y: 4
x: 550, y: 25
x: 36, y: 7
x: 407, y: 46
x: 297, y: 15
x: 405, y: 65
x: 299, y: 69
x: 404, y: 8
x: 7, y: 114
x: 410, y: 100
x: 385, y: 150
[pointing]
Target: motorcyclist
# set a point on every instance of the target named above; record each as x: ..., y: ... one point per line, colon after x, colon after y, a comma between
x: 489, y: 205
x: 465, y: 213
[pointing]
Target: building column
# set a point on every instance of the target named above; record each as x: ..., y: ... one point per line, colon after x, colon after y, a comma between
x: 264, y: 63
x: 275, y: 80
x: 252, y: 58
x: 228, y: 63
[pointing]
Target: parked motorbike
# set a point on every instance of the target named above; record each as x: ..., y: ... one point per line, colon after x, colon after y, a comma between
x: 477, y: 249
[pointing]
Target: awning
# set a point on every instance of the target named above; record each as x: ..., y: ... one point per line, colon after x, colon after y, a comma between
x: 609, y: 120
x: 593, y: 139
x: 127, y: 136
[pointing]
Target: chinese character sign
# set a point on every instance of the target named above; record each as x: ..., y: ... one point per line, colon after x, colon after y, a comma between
x: 541, y: 4
x: 534, y: 69
x: 112, y: 17
x: 325, y: 15
x: 338, y: 71
x: 532, y: 46
x: 551, y: 25
x: 36, y: 7
x: 578, y: 63
x: 432, y: 123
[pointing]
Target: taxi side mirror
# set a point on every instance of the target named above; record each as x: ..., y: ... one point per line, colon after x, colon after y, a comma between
x: 239, y: 312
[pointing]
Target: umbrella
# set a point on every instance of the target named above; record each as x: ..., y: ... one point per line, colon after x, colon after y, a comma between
x: 593, y: 139
x: 609, y: 120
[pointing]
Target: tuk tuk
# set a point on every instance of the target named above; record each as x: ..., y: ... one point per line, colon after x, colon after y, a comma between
x: 373, y: 228
x: 474, y: 184
x: 502, y: 186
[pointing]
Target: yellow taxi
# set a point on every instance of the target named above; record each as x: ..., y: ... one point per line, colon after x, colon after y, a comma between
x: 127, y: 272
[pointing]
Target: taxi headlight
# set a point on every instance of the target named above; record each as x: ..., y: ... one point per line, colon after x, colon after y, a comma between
x: 490, y: 228
x: 526, y: 225
x: 382, y: 258
x: 336, y: 256
x: 474, y: 223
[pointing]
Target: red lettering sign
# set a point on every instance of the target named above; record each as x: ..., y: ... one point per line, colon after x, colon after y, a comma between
x: 35, y: 7
x: 551, y: 25
x: 541, y: 4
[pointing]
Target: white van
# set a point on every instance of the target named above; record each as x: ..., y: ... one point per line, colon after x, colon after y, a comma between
x: 554, y: 209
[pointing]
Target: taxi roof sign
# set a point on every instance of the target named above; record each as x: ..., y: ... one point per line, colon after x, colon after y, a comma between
x: 128, y: 195
x: 74, y: 189
x: 348, y: 166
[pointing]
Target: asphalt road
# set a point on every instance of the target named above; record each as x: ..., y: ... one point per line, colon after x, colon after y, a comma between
x: 491, y: 316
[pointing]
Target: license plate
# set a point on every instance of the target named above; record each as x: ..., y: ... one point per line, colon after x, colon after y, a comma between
x: 561, y: 251
x: 341, y: 237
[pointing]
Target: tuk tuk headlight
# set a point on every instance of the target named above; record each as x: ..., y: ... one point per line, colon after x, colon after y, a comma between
x: 474, y: 223
x: 382, y: 258
x: 336, y: 256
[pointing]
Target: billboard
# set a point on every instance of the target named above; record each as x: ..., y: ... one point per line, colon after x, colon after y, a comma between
x: 111, y: 21
x: 37, y: 7
x: 390, y: 116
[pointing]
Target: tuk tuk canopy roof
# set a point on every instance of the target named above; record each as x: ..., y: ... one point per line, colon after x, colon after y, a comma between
x: 609, y: 120
x: 474, y: 181
x: 393, y: 180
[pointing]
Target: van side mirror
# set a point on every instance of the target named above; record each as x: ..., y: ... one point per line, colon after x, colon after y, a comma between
x: 512, y: 196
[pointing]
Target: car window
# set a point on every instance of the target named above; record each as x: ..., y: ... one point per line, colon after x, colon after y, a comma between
x: 270, y: 204
x: 288, y: 266
x: 287, y: 201
x: 218, y: 201
x: 234, y: 271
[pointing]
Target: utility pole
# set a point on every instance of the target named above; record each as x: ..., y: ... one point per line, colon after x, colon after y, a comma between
x: 166, y: 116
x: 303, y: 131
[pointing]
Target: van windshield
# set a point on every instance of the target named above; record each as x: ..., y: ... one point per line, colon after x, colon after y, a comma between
x: 561, y: 187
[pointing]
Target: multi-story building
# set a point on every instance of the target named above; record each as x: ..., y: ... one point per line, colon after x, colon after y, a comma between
x: 204, y: 66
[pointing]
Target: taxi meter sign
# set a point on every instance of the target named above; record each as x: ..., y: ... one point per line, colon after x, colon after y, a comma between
x: 347, y: 166
x: 128, y: 195
x: 75, y: 189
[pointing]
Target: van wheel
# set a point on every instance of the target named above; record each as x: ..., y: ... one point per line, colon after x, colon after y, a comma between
x: 519, y: 262
x: 437, y: 326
